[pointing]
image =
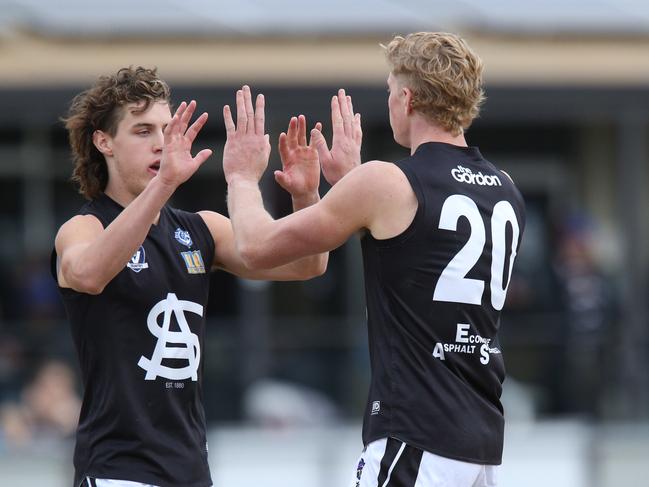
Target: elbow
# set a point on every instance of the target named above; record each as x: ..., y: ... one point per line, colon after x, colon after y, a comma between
x: 88, y: 285
x: 321, y: 267
x: 317, y: 269
x: 83, y: 281
x: 92, y: 288
x: 251, y: 257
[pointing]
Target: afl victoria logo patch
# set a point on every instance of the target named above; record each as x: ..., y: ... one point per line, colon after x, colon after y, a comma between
x: 138, y: 261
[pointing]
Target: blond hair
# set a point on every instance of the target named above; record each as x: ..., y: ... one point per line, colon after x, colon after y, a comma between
x: 444, y: 75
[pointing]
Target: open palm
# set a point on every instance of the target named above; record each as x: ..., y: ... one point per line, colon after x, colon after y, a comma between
x: 177, y: 164
x: 300, y: 174
x: 345, y: 153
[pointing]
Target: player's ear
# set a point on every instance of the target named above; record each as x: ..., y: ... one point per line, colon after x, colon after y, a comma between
x: 408, y: 98
x: 101, y: 140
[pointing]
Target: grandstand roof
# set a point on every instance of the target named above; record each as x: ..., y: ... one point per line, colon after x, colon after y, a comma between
x: 254, y: 18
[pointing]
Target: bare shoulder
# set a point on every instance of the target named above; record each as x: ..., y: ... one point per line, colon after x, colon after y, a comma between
x: 378, y: 196
x: 79, y: 228
x: 214, y: 220
x: 219, y: 225
x: 376, y: 177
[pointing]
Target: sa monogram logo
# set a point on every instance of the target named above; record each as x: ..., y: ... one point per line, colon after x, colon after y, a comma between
x: 138, y: 261
x: 190, y: 349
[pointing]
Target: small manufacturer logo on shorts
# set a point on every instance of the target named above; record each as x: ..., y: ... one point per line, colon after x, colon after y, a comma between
x: 376, y: 407
x: 359, y: 471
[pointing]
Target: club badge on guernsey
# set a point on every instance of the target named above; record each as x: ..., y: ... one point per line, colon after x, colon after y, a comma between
x: 183, y: 237
x: 138, y: 261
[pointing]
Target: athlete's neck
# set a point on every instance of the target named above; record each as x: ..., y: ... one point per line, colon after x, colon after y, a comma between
x: 123, y: 198
x: 422, y: 131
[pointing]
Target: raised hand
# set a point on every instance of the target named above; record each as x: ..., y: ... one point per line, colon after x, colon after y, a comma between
x: 345, y: 153
x: 177, y: 164
x: 247, y: 148
x: 300, y: 174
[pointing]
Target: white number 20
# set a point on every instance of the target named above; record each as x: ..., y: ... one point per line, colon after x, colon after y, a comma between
x: 453, y: 285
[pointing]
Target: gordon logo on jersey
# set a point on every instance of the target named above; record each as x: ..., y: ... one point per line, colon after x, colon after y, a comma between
x: 465, y: 175
x: 193, y: 261
x: 186, y: 347
x: 138, y: 261
x: 183, y: 237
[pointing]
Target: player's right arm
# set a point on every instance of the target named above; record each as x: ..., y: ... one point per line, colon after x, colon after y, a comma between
x: 89, y: 256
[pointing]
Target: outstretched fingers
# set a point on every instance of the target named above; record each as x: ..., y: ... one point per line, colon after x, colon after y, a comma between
x: 336, y: 118
x: 196, y: 127
x: 320, y: 143
x: 186, y: 116
x: 173, y: 124
x: 292, y: 133
x: 202, y: 156
x: 318, y: 127
x: 282, y: 179
x: 357, y: 129
x: 301, y: 130
x: 345, y: 112
x: 230, y: 128
x: 242, y: 117
x: 250, y: 111
x: 260, y: 116
x: 283, y: 147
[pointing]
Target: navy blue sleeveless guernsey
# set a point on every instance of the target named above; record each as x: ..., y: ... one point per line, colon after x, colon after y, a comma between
x: 140, y: 346
x: 434, y: 295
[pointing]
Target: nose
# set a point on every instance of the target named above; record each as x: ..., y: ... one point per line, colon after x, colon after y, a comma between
x: 158, y: 141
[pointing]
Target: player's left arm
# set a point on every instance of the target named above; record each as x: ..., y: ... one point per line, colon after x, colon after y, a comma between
x: 300, y: 176
x: 227, y: 258
x: 360, y: 200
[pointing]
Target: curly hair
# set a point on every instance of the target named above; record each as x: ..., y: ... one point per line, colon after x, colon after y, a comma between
x: 101, y: 108
x: 444, y: 74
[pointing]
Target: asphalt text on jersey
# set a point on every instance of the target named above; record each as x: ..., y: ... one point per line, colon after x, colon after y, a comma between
x: 466, y: 344
x: 186, y: 343
x: 465, y: 175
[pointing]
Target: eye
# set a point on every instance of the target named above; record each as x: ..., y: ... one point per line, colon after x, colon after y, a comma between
x: 143, y: 132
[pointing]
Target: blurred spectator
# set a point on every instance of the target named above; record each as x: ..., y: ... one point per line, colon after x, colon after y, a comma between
x: 12, y: 366
x: 48, y: 408
x: 276, y: 404
x: 37, y: 297
x: 588, y: 307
